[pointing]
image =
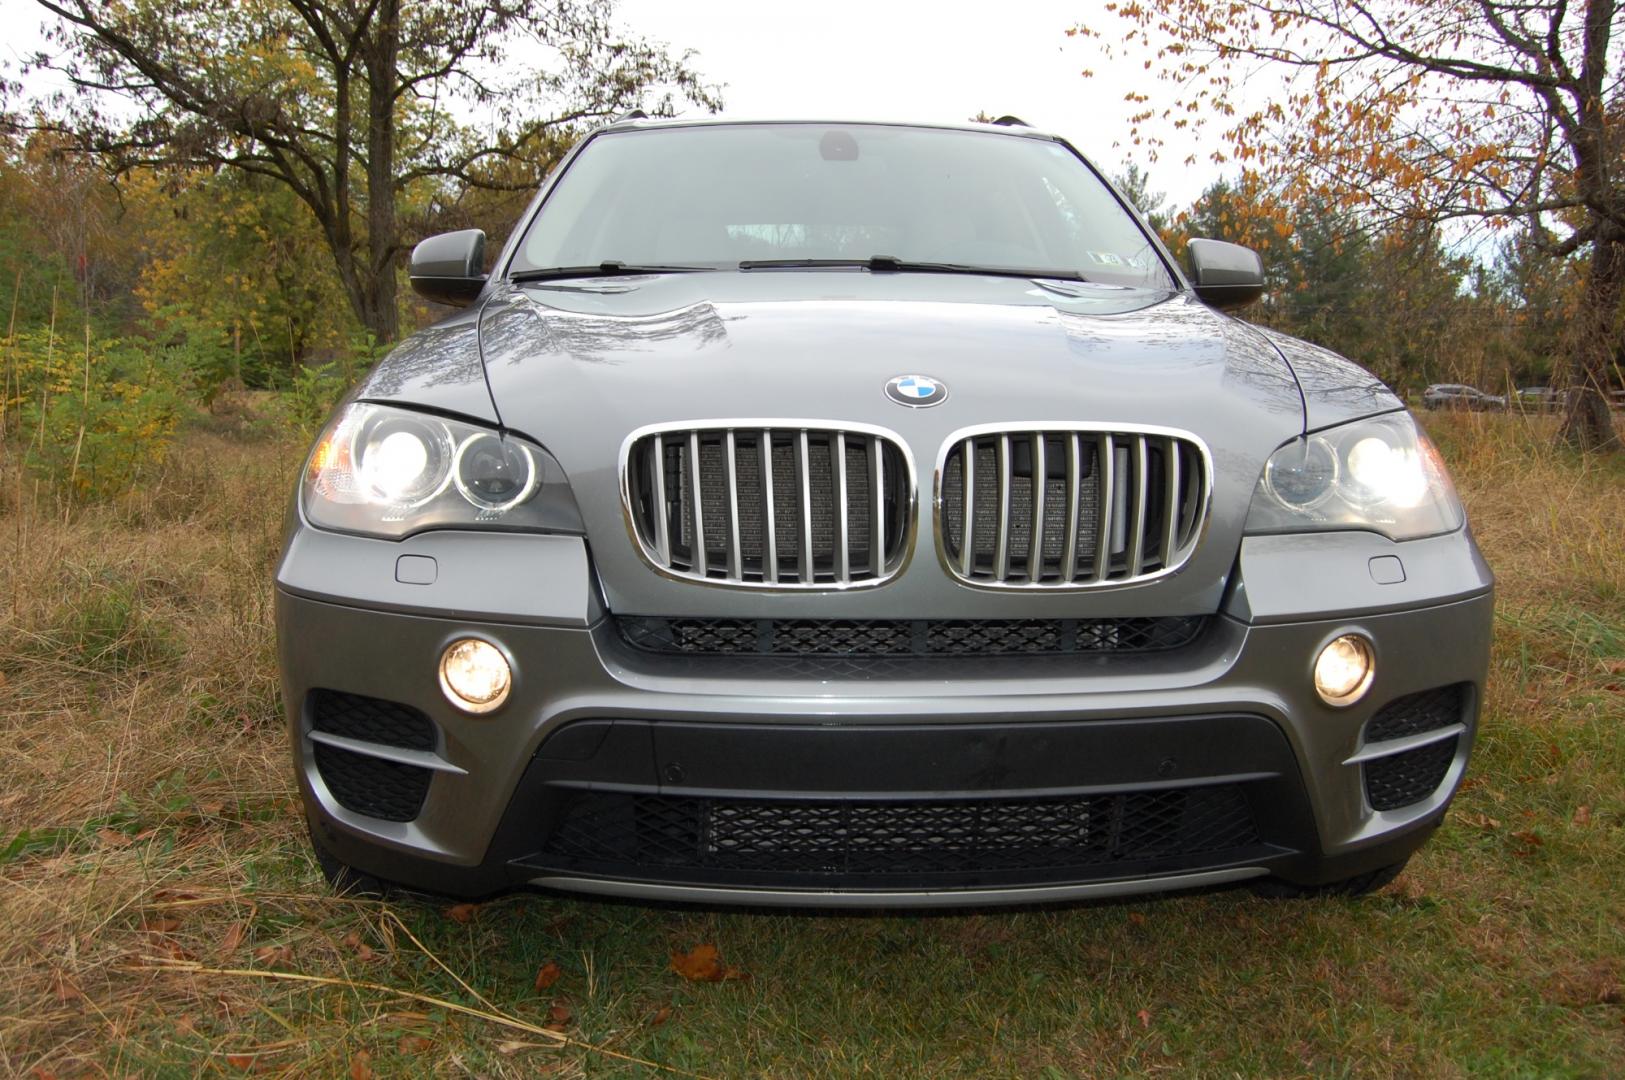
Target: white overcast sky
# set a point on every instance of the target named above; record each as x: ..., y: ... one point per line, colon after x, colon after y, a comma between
x: 883, y: 59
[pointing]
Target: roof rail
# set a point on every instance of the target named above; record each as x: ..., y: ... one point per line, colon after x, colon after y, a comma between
x: 635, y: 114
x: 1010, y: 121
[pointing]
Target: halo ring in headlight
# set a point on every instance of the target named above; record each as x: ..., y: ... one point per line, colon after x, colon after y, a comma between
x: 513, y: 455
x: 1306, y: 483
x: 474, y: 675
x: 401, y: 459
x: 1344, y: 669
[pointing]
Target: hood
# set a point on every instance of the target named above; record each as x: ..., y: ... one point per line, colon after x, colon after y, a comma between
x: 579, y: 365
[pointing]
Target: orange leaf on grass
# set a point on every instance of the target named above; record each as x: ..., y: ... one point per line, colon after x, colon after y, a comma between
x: 1582, y: 815
x: 232, y: 938
x: 558, y: 1016
x: 704, y: 964
x: 463, y: 913
x: 361, y: 1066
x: 415, y: 1044
x: 547, y: 975
x: 245, y: 1062
x: 160, y: 926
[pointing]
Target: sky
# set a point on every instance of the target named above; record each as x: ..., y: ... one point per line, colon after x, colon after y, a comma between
x: 886, y: 60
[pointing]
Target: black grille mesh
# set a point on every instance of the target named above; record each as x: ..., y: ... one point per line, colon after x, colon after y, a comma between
x: 1408, y: 777
x: 372, y: 786
x: 370, y: 719
x: 866, y: 638
x: 899, y: 839
x: 1413, y: 714
x: 1402, y: 779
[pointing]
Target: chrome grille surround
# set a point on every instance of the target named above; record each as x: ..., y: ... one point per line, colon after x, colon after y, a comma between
x: 825, y: 481
x: 1151, y: 522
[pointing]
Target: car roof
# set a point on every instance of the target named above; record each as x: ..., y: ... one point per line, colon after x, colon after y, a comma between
x: 1018, y: 129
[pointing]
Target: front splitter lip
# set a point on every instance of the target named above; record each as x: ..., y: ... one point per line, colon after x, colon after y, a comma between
x: 896, y: 898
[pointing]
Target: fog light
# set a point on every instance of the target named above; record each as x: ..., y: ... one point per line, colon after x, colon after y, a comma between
x: 474, y: 675
x: 1343, y: 670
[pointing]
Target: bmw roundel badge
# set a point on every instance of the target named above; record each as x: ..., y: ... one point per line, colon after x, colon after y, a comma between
x: 917, y: 391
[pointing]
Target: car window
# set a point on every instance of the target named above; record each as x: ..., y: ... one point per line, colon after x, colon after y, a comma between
x: 716, y: 196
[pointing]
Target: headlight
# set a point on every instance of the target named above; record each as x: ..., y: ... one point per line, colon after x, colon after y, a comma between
x: 391, y: 472
x: 1380, y: 474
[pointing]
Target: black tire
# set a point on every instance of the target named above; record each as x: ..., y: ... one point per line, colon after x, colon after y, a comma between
x: 344, y: 879
x: 1358, y: 885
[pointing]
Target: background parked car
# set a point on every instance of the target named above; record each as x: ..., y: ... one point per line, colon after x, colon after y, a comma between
x: 1459, y: 396
x: 1541, y: 397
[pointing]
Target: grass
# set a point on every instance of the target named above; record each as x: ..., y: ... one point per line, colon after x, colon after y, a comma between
x: 155, y: 890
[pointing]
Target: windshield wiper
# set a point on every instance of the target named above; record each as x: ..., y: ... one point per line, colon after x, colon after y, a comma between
x: 608, y: 268
x: 892, y: 264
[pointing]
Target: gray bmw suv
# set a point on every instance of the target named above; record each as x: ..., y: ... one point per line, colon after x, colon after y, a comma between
x: 868, y: 514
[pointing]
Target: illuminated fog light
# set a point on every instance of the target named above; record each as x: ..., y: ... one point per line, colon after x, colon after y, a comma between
x: 475, y: 675
x: 1343, y: 670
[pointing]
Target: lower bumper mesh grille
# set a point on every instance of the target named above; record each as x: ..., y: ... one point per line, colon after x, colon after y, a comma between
x: 1402, y: 779
x: 1086, y: 835
x: 370, y: 719
x: 866, y: 638
x: 372, y: 786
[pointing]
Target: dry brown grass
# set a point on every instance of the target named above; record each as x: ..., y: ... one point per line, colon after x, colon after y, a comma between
x: 146, y: 820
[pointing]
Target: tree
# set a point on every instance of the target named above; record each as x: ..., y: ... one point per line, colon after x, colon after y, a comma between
x: 353, y: 105
x: 1496, y: 111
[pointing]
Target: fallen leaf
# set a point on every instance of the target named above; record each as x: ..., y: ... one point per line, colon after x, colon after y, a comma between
x: 185, y: 1024
x: 212, y: 808
x: 1582, y: 815
x: 1136, y: 918
x: 415, y: 1044
x: 704, y: 964
x: 1145, y: 1017
x: 547, y: 976
x: 112, y: 838
x: 160, y: 926
x: 274, y: 954
x: 244, y: 1062
x: 661, y: 1015
x: 361, y: 1066
x: 463, y: 913
x: 232, y: 938
x: 66, y: 989
x: 558, y: 1016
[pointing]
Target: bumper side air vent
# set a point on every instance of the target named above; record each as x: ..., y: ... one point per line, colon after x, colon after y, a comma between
x: 1106, y: 507
x: 1410, y: 745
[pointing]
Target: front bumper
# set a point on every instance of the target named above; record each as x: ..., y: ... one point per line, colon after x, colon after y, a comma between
x: 619, y: 772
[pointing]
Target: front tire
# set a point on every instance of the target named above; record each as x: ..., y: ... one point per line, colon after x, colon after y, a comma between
x: 1358, y: 885
x: 344, y: 879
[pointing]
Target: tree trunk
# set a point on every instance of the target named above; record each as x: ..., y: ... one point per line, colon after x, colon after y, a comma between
x: 383, y: 230
x: 1587, y: 424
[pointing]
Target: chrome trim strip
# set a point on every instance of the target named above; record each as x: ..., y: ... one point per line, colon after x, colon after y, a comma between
x: 1001, y: 539
x: 843, y: 540
x: 805, y: 569
x: 1390, y: 747
x: 1074, y: 473
x: 877, y: 508
x: 769, y: 521
x: 967, y: 543
x: 1035, y: 542
x: 423, y: 759
x: 662, y: 526
x: 652, y: 557
x: 1174, y: 502
x: 1193, y: 525
x: 1142, y: 491
x: 730, y: 465
x: 698, y: 544
x: 1106, y: 457
x: 1028, y: 894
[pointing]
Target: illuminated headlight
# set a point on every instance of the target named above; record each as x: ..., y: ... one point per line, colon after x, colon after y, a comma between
x: 1344, y: 669
x: 1380, y: 474
x: 391, y: 472
x: 474, y: 675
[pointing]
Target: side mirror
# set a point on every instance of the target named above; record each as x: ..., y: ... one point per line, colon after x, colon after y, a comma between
x: 449, y: 268
x: 1225, y: 275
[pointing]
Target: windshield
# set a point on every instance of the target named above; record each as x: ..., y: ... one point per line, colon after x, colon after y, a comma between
x: 714, y: 197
